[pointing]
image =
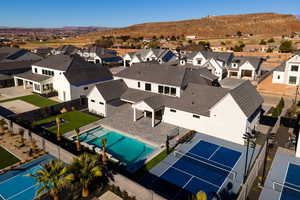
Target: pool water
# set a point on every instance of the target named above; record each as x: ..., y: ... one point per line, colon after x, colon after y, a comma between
x: 121, y: 147
x: 15, y: 185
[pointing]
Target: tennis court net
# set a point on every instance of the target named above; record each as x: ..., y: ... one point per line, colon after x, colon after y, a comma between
x: 218, y: 167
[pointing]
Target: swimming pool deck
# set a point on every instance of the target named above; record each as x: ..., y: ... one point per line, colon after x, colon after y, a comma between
x: 122, y: 120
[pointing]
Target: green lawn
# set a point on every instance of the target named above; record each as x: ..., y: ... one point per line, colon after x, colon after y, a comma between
x: 6, y: 158
x: 75, y: 119
x: 34, y: 99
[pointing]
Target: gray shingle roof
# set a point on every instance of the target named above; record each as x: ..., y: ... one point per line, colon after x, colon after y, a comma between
x: 198, y: 99
x: 111, y: 90
x: 255, y: 61
x: 247, y: 98
x: 222, y: 56
x: 281, y: 67
x: 133, y: 95
x: 16, y: 65
x: 33, y: 77
x: 148, y: 72
x: 56, y: 62
x: 67, y: 49
x: 81, y: 73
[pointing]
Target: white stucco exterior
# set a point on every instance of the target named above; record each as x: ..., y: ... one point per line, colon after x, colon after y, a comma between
x: 291, y: 73
x: 96, y: 103
x: 226, y: 121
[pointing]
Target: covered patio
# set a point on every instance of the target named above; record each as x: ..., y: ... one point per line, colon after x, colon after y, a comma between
x: 40, y: 84
x: 150, y: 107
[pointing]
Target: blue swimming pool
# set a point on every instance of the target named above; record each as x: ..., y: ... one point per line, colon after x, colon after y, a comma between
x: 121, y: 147
x: 15, y: 185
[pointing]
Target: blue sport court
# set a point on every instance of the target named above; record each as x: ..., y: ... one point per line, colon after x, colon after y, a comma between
x: 206, y: 166
x: 290, y: 189
x: 15, y: 185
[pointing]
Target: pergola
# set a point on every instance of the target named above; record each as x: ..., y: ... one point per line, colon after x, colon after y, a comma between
x: 146, y: 107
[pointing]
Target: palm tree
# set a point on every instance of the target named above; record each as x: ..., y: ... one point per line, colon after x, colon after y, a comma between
x: 58, y: 134
x: 2, y: 126
x: 78, y: 146
x: 52, y: 178
x: 85, y: 170
x: 201, y: 195
x: 104, y: 156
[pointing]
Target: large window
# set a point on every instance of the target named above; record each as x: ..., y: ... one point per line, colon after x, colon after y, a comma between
x: 292, y: 80
x: 173, y: 91
x: 48, y: 72
x: 139, y: 84
x: 147, y: 86
x: 199, y: 61
x: 160, y: 89
x: 294, y: 68
x: 167, y: 90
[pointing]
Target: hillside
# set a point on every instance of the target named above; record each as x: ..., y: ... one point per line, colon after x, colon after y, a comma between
x: 210, y: 27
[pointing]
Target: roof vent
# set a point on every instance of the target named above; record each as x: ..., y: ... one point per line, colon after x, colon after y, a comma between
x: 192, y: 102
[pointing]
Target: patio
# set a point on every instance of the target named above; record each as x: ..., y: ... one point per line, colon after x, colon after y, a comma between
x: 122, y: 120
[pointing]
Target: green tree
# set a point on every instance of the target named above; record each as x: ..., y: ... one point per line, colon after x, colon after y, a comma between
x: 52, y: 178
x: 223, y: 43
x: 205, y: 44
x: 85, y: 169
x: 239, y: 34
x: 286, y: 46
x: 270, y: 50
x: 239, y: 47
x: 105, y: 43
x: 271, y: 40
x: 262, y: 42
x: 154, y: 44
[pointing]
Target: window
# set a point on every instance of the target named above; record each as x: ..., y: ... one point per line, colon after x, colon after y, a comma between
x: 92, y: 100
x: 139, y: 84
x: 173, y: 91
x: 234, y: 65
x: 199, y: 61
x: 35, y: 70
x: 85, y: 88
x: 292, y: 80
x: 101, y: 103
x: 147, y: 86
x: 172, y: 110
x: 294, y: 68
x: 278, y: 77
x: 160, y: 89
x: 167, y: 90
x: 196, y: 116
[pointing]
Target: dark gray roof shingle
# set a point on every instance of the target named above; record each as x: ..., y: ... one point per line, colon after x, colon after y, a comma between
x: 56, y: 62
x: 246, y: 96
x: 111, y: 90
x: 33, y: 77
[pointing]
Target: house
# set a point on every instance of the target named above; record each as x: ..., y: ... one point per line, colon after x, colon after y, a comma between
x: 43, y: 52
x: 146, y: 55
x: 216, y: 62
x: 101, y: 55
x: 65, y: 49
x: 182, y: 97
x: 288, y: 72
x: 10, y: 54
x: 70, y: 76
x: 245, y: 67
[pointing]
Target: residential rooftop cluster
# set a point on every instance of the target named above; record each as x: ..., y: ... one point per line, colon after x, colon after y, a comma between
x: 155, y: 123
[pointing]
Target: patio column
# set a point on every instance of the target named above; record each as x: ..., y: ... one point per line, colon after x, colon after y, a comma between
x: 153, y: 119
x: 253, y: 74
x: 134, y: 114
x: 24, y: 84
x: 145, y: 114
x: 16, y: 82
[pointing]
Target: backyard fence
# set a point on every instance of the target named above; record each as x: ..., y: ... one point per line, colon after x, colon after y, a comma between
x: 257, y: 165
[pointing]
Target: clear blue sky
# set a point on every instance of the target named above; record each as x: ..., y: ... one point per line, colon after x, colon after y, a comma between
x: 119, y: 13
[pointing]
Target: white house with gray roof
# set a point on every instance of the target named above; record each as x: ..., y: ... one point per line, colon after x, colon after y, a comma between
x: 184, y: 97
x: 147, y: 55
x: 70, y: 76
x: 245, y: 67
x: 288, y: 72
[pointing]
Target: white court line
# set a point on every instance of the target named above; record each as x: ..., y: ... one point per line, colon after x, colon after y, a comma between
x: 196, y: 177
x: 2, y: 197
x: 232, y: 170
x: 38, y: 166
x: 214, y: 153
x: 17, y: 194
x: 287, y: 169
x: 176, y: 160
